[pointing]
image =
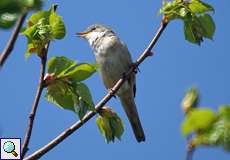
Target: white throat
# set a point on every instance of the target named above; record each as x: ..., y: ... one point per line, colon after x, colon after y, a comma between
x: 93, y: 36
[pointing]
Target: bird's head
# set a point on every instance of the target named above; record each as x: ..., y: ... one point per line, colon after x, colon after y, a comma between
x: 95, y: 32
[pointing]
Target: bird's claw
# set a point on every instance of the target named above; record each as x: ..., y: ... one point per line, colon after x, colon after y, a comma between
x: 136, y: 68
x: 111, y: 92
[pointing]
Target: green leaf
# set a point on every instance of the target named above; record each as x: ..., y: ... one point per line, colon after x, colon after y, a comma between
x: 110, y: 125
x: 32, y: 4
x: 8, y: 19
x: 84, y: 93
x: 207, y: 25
x: 57, y: 24
x: 62, y: 95
x: 64, y: 90
x: 31, y: 48
x: 226, y: 142
x: 10, y: 6
x: 196, y: 6
x: 117, y: 126
x: 198, y: 120
x: 58, y: 65
x: 30, y: 32
x: 105, y: 129
x: 10, y: 10
x: 81, y: 109
x: 34, y: 19
x: 224, y: 112
x: 79, y: 72
x: 191, y: 32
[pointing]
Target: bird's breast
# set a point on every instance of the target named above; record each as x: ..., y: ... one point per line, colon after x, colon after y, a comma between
x: 113, y: 61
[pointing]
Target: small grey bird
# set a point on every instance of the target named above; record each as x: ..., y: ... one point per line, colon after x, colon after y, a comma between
x: 114, y: 59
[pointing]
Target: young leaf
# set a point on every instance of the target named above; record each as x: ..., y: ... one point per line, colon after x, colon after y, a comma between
x: 197, y: 23
x: 57, y: 65
x: 31, y: 48
x: 226, y: 141
x: 198, y: 120
x: 196, y: 6
x: 110, y: 125
x: 81, y: 109
x: 79, y: 72
x: 12, y: 6
x: 58, y: 27
x: 84, y: 93
x: 37, y: 16
x: 191, y: 32
x: 208, y: 25
x: 105, y: 129
x: 30, y: 32
x: 224, y: 112
x: 62, y: 95
x: 8, y: 19
x: 32, y: 4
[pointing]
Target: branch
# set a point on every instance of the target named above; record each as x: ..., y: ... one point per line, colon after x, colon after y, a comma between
x: 41, y: 86
x: 190, y: 148
x: 147, y: 52
x: 10, y: 45
x: 43, y: 57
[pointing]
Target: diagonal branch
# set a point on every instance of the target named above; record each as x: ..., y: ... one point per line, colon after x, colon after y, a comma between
x: 43, y: 57
x: 147, y: 52
x: 10, y: 45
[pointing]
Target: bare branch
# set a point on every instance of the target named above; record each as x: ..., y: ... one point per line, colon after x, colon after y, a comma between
x: 39, y: 153
x: 10, y: 45
x: 43, y: 57
x: 190, y: 148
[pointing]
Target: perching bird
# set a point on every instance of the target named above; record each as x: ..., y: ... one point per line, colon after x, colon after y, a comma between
x: 114, y: 59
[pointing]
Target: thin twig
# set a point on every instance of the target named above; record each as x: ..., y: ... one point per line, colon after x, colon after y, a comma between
x: 43, y: 57
x: 40, y: 152
x: 41, y: 86
x: 10, y: 45
x: 190, y: 148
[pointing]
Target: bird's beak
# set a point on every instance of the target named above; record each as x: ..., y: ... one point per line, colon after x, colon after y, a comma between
x: 82, y: 34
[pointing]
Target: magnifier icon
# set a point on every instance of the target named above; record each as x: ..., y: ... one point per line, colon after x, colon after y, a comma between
x: 9, y: 147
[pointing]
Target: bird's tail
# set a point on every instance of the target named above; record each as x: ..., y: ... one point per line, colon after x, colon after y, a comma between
x: 129, y: 106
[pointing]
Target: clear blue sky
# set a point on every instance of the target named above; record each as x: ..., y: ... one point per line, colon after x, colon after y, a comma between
x: 161, y: 83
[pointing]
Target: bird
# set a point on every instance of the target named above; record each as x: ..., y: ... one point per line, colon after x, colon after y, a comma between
x: 114, y: 59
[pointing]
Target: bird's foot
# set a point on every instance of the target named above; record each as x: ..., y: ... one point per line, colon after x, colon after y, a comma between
x: 136, y: 68
x: 111, y: 92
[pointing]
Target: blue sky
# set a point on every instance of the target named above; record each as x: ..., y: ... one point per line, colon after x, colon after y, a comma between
x: 161, y: 84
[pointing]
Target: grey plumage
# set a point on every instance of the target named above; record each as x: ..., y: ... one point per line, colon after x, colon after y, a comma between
x: 114, y: 59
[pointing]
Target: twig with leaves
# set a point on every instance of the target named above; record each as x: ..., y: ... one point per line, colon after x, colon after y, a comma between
x: 42, y: 53
x: 147, y: 52
x: 66, y: 90
x: 193, y: 18
x: 17, y: 14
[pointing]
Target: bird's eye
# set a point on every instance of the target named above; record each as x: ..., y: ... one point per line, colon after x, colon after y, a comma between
x: 94, y: 28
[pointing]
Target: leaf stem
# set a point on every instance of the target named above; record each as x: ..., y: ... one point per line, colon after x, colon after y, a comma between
x: 147, y: 52
x: 10, y: 45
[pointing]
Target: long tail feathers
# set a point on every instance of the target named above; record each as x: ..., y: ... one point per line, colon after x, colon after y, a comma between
x: 129, y: 106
